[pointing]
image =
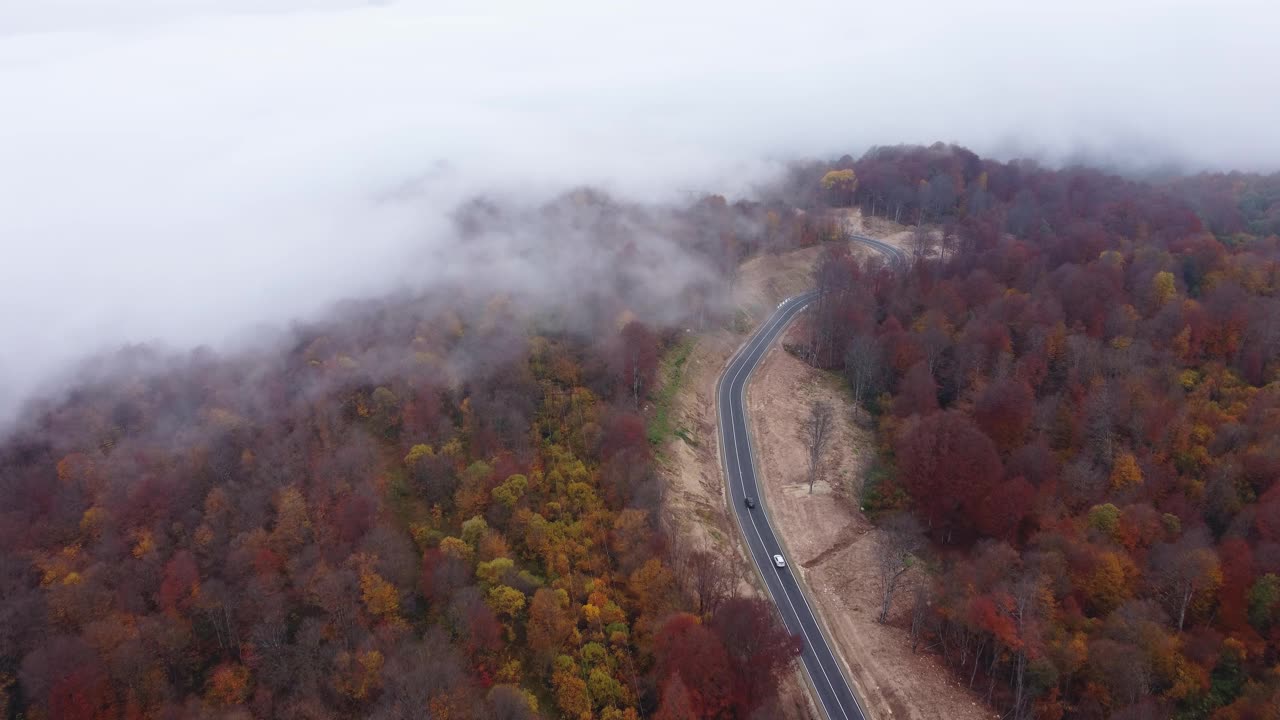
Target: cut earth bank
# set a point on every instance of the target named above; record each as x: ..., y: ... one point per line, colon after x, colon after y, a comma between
x: 826, y: 536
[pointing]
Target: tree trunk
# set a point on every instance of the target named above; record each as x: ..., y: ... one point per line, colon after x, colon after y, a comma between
x: 976, y: 657
x: 886, y: 601
x: 1020, y: 671
x: 917, y: 619
x: 991, y: 675
x: 635, y: 380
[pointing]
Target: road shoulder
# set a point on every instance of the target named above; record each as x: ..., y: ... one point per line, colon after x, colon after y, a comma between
x: 829, y: 543
x: 695, y: 509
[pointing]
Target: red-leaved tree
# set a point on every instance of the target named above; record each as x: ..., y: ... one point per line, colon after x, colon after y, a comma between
x: 683, y: 646
x: 949, y: 466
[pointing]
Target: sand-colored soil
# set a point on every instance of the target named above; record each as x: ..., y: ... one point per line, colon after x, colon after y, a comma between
x: 886, y: 231
x: 831, y: 543
x: 694, y: 505
x: 824, y: 531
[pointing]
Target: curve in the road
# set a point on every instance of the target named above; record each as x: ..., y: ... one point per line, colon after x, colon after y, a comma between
x: 834, y: 691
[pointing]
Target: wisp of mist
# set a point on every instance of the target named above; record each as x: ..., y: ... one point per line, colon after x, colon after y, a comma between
x: 184, y: 171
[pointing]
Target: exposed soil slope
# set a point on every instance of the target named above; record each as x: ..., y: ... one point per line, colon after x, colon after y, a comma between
x: 832, y: 543
x: 830, y: 536
x: 694, y: 502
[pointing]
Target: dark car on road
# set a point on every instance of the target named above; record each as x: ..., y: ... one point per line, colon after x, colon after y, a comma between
x: 750, y: 502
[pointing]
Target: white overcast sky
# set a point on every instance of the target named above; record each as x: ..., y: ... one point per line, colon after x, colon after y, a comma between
x: 182, y: 169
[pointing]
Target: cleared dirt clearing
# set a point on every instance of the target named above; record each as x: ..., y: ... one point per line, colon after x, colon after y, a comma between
x: 826, y: 535
x: 694, y: 502
x: 831, y: 542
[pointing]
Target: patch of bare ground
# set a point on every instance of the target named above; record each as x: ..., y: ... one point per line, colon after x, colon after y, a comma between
x: 694, y: 505
x: 832, y: 544
x: 882, y: 229
x: 877, y: 227
x: 694, y: 501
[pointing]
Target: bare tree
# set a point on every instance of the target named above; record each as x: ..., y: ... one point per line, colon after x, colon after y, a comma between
x: 709, y: 580
x: 1184, y: 569
x: 1099, y: 406
x: 816, y: 430
x: 949, y: 241
x: 934, y: 338
x: 1025, y: 592
x: 900, y: 538
x: 920, y: 601
x: 864, y: 365
x: 921, y: 244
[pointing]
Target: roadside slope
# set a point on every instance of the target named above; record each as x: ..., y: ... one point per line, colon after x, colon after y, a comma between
x: 694, y: 499
x: 896, y: 682
x: 832, y: 543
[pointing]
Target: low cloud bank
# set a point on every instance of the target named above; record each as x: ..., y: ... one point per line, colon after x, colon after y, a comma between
x: 187, y: 169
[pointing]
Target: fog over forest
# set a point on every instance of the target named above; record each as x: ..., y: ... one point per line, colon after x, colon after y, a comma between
x: 188, y: 170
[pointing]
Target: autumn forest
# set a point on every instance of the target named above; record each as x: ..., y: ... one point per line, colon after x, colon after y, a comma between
x: 1076, y: 387
x: 448, y: 504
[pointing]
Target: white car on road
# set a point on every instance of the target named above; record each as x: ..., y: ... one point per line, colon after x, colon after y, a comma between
x: 778, y: 561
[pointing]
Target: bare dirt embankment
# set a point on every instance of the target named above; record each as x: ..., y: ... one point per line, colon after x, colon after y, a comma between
x: 824, y: 530
x: 832, y: 544
x: 886, y: 231
x: 694, y: 501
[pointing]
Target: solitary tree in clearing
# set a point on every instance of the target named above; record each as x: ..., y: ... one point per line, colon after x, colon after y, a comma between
x: 816, y: 430
x: 900, y: 538
x: 864, y: 366
x: 840, y: 186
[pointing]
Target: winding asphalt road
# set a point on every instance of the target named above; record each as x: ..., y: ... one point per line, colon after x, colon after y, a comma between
x: 834, y: 691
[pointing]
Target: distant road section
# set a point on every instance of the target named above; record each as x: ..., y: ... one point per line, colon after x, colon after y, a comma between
x: 834, y: 691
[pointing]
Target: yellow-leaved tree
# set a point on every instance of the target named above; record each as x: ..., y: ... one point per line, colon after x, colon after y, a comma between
x: 839, y: 186
x: 1125, y: 473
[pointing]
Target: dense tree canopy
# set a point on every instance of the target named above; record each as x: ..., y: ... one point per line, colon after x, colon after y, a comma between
x: 431, y: 507
x: 445, y: 506
x: 1081, y: 378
